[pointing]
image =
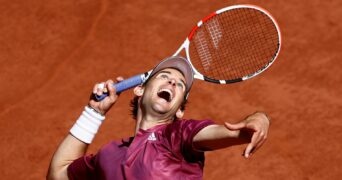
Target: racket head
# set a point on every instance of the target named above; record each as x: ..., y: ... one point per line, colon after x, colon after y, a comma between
x: 233, y: 44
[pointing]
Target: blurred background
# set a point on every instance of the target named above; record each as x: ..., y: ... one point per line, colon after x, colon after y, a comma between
x: 52, y: 52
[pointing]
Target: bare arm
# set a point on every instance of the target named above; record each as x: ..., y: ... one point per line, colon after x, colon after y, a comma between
x: 252, y: 130
x: 69, y: 150
x: 71, y: 147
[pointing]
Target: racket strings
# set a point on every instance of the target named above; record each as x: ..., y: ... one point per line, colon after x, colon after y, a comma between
x: 234, y: 44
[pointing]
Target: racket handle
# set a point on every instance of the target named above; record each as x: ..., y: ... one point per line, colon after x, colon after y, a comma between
x: 124, y: 85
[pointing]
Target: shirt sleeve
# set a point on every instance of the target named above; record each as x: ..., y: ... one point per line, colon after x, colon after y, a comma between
x: 189, y: 129
x: 82, y: 168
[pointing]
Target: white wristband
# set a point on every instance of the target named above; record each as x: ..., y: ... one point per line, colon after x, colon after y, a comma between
x: 87, y: 125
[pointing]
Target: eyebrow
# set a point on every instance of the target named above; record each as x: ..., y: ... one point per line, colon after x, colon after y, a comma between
x: 168, y: 72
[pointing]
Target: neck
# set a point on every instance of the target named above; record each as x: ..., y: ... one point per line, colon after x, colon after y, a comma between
x: 146, y: 121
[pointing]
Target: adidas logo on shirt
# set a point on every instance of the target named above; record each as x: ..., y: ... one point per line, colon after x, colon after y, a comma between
x: 152, y: 137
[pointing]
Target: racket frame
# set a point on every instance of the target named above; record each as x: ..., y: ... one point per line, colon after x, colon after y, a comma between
x: 186, y: 44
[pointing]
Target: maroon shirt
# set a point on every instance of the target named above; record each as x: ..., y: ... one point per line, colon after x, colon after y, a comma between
x: 162, y: 152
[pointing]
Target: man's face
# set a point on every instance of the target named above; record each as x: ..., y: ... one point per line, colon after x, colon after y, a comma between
x: 165, y: 92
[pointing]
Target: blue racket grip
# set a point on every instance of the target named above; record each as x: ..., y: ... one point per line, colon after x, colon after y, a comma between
x: 124, y: 85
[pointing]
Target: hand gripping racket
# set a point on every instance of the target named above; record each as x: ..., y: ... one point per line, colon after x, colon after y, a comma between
x: 230, y: 45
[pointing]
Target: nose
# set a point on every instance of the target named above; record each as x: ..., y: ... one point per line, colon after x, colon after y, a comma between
x: 172, y: 82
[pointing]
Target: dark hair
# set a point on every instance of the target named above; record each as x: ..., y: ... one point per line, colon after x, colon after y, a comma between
x: 134, y: 104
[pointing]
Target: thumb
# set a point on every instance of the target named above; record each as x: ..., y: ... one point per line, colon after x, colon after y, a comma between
x: 236, y: 126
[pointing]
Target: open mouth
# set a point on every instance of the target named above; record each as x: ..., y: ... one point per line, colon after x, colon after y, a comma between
x: 165, y: 94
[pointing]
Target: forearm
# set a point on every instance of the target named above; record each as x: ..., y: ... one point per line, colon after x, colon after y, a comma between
x: 75, y: 144
x: 218, y: 136
x: 83, y: 131
x: 70, y: 149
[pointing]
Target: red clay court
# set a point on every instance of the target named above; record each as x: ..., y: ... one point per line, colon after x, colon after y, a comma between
x: 52, y: 52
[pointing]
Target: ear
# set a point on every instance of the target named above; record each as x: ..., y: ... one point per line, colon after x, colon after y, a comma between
x: 179, y: 114
x: 139, y: 90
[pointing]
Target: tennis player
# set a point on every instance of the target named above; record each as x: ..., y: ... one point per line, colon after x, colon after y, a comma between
x: 163, y: 146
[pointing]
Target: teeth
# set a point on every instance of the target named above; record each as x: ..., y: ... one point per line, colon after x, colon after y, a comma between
x: 169, y: 91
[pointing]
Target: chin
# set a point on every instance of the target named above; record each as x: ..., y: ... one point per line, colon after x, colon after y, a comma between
x: 161, y: 110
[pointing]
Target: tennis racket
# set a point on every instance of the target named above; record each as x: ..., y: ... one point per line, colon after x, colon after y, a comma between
x: 230, y: 45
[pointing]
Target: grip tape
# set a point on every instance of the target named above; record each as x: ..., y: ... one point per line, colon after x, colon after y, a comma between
x: 124, y: 85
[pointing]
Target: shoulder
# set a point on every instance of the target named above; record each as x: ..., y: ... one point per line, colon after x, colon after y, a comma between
x: 112, y: 145
x: 191, y: 123
x: 187, y: 126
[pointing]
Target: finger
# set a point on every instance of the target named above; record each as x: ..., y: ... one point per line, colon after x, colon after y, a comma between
x: 101, y: 85
x: 111, y: 89
x: 262, y: 140
x: 95, y: 88
x: 99, y: 89
x: 252, y: 145
x: 105, y: 90
x: 120, y: 78
x: 258, y: 145
x: 237, y: 126
x: 248, y: 150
